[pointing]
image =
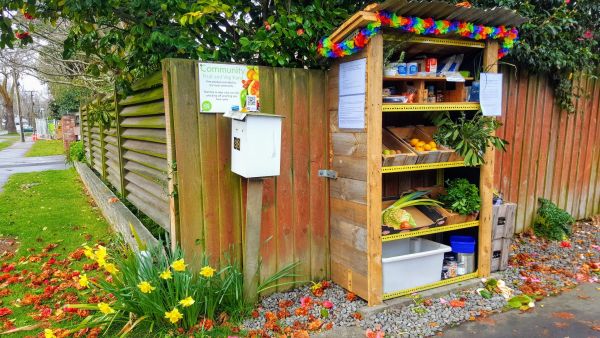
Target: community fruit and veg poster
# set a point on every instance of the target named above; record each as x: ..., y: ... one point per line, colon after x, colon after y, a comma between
x: 223, y: 86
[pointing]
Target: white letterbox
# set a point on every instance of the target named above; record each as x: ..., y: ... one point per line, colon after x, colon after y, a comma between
x: 255, y: 144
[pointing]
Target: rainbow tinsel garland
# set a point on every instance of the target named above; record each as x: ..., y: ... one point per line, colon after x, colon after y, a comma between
x: 422, y: 27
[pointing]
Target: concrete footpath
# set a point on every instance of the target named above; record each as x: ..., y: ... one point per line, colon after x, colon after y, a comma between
x: 13, y: 160
x: 575, y: 313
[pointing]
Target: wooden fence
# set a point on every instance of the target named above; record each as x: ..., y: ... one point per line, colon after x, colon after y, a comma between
x: 131, y: 154
x: 197, y: 198
x: 173, y: 163
x: 552, y: 154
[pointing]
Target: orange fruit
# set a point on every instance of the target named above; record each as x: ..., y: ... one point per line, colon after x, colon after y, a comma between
x: 432, y: 144
x: 427, y: 147
x: 419, y: 149
x: 250, y: 74
x: 434, y: 149
x: 253, y: 88
x: 414, y: 142
x: 421, y: 144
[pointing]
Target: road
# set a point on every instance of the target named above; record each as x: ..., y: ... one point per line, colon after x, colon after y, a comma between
x: 13, y: 160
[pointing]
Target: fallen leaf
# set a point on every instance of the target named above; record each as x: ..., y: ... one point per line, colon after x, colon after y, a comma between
x: 457, y: 303
x: 561, y: 325
x: 596, y: 327
x: 563, y: 315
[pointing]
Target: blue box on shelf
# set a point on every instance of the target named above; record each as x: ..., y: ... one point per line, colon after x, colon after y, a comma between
x: 462, y: 244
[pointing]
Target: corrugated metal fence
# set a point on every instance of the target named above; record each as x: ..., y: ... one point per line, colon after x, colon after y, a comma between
x: 552, y: 154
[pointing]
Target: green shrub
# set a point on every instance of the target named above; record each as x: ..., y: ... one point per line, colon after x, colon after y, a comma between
x: 461, y: 197
x: 552, y: 222
x: 76, y: 152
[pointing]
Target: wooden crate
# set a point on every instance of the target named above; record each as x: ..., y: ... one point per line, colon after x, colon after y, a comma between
x: 446, y: 153
x: 409, y: 132
x: 408, y: 156
x: 503, y: 221
x: 500, y: 252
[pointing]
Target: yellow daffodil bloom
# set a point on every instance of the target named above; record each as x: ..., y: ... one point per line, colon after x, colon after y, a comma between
x: 145, y: 287
x: 166, y: 274
x: 207, y: 271
x: 89, y: 252
x: 111, y: 268
x: 173, y: 316
x: 101, y: 261
x: 179, y: 265
x: 186, y: 302
x: 48, y: 333
x: 100, y: 253
x: 83, y: 281
x: 105, y: 308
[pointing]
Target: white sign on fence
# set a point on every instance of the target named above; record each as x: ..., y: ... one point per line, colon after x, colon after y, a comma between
x: 225, y: 85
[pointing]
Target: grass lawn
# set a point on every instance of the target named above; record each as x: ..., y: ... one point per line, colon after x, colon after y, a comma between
x: 46, y: 148
x: 50, y: 217
x: 7, y: 140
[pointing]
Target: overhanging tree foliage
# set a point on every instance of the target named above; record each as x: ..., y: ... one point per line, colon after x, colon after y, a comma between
x: 130, y: 37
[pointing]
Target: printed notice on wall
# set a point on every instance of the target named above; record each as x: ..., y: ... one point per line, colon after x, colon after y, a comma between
x: 351, y: 105
x: 223, y: 86
x: 490, y: 94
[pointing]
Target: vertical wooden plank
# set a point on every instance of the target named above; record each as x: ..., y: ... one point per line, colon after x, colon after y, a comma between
x: 230, y: 194
x: 285, y: 188
x: 561, y: 147
x: 555, y: 131
x: 509, y: 134
x: 171, y: 157
x: 525, y: 174
x: 210, y: 181
x: 319, y: 194
x: 102, y: 150
x: 269, y: 233
x: 119, y: 136
x: 546, y: 130
x: 486, y: 181
x: 574, y: 152
x: 184, y: 109
x: 517, y: 140
x: 584, y: 130
x: 374, y: 125
x: 592, y: 204
x: 301, y: 171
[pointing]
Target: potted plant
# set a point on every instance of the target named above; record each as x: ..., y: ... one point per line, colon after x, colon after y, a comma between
x: 462, y: 197
x: 469, y: 137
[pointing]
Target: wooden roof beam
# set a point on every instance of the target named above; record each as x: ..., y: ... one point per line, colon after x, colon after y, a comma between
x: 359, y: 19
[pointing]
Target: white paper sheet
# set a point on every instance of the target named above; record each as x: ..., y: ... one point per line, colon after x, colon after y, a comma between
x: 490, y: 94
x: 353, y: 77
x: 351, y: 106
x: 351, y: 111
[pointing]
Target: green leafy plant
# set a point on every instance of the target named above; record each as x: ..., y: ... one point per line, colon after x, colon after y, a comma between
x: 552, y: 222
x: 76, y: 152
x: 157, y: 288
x: 461, y: 197
x: 469, y: 137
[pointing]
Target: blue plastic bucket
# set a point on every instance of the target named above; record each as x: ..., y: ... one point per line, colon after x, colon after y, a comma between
x: 462, y: 244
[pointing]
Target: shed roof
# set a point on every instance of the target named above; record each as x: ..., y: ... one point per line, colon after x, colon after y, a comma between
x: 438, y: 10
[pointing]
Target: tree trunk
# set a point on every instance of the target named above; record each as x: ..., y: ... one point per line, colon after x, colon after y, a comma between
x: 10, y: 119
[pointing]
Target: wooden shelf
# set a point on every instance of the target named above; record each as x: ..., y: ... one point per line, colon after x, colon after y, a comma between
x: 431, y: 286
x: 423, y: 166
x: 417, y: 78
x: 438, y: 106
x: 429, y: 231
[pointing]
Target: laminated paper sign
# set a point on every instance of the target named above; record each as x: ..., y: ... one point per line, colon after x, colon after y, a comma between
x: 351, y: 106
x: 490, y: 94
x: 225, y: 85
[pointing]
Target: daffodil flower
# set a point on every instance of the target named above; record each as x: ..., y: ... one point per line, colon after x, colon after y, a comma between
x: 207, y: 271
x: 111, y: 268
x: 89, y: 252
x: 173, y: 316
x: 83, y: 281
x: 48, y: 333
x: 145, y: 287
x: 189, y: 301
x: 166, y: 274
x: 179, y: 265
x: 105, y: 308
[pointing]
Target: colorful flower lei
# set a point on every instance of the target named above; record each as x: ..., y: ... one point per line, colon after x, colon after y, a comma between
x: 421, y: 27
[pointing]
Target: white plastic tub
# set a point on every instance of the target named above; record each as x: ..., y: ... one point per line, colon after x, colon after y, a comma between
x: 412, y: 262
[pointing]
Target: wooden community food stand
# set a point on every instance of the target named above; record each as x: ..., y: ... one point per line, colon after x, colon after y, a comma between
x: 356, y: 196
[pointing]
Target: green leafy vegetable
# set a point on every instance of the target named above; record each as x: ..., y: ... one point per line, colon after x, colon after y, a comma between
x: 461, y: 197
x: 469, y: 137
